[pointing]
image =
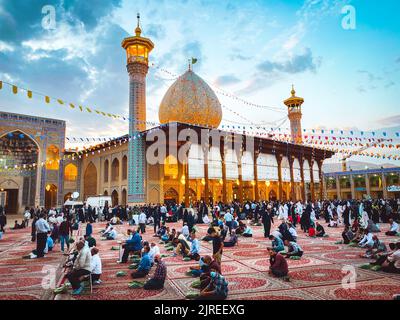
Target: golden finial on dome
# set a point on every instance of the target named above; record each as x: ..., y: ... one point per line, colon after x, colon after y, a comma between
x: 138, y: 31
x: 293, y: 92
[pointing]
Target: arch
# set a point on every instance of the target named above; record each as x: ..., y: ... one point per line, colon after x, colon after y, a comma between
x: 296, y: 170
x: 114, y: 198
x: 90, y: 181
x: 247, y: 166
x: 50, y: 196
x: 231, y: 165
x: 106, y: 165
x: 105, y: 193
x: 272, y: 195
x: 315, y: 172
x: 306, y: 171
x: 115, y: 170
x: 171, y: 195
x: 70, y: 172
x: 267, y: 167
x: 285, y: 169
x: 124, y: 167
x: 9, y: 184
x: 52, y: 157
x: 214, y: 163
x: 196, y: 162
x: 124, y: 197
x: 171, y: 167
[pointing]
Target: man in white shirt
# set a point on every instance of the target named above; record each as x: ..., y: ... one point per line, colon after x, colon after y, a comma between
x: 393, y: 260
x: 185, y: 230
x: 366, y: 241
x: 27, y: 217
x: 112, y: 235
x: 154, y: 250
x: 142, y: 222
x: 96, y: 266
x: 394, y: 228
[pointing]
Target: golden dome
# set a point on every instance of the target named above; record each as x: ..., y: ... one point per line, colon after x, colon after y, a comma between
x: 190, y: 100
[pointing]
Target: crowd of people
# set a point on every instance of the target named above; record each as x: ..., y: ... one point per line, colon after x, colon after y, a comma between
x: 360, y: 221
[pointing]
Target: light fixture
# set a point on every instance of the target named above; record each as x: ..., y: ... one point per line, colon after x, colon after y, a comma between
x: 203, y: 181
x: 48, y: 187
x: 267, y: 183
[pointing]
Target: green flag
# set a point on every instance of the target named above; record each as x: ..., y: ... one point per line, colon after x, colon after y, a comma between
x: 194, y: 60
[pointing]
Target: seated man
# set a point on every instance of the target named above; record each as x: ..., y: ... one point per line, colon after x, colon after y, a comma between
x: 185, y: 230
x: 144, y: 265
x: 81, y: 267
x: 217, y: 289
x: 292, y: 231
x: 248, y: 232
x: 392, y: 265
x: 294, y: 250
x: 320, y: 231
x: 381, y: 258
x: 158, y: 279
x: 194, y: 248
x: 182, y: 246
x: 278, y: 264
x: 90, y: 240
x: 378, y: 247
x: 132, y: 244
x: 347, y: 235
x: 96, y: 266
x: 18, y: 226
x: 206, y: 265
x: 154, y: 250
x: 240, y: 229
x: 107, y: 230
x: 49, y: 243
x: 112, y: 235
x: 394, y: 228
x: 366, y: 241
x: 277, y: 243
x: 233, y: 240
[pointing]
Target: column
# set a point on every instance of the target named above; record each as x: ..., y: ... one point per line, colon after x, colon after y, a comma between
x: 384, y: 186
x: 280, y: 193
x: 303, y: 184
x: 321, y: 180
x: 367, y: 185
x: 292, y: 190
x: 338, y: 187
x: 353, y: 192
x: 312, y: 181
x: 256, y: 191
x: 186, y: 168
x: 240, y: 179
x: 206, y: 185
x: 224, y: 186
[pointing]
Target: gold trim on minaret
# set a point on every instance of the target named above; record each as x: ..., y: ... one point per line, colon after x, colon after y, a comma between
x: 294, y: 104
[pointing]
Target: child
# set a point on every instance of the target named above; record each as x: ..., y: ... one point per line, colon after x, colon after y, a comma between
x: 96, y: 266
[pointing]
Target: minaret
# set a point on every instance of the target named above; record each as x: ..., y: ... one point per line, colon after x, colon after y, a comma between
x: 294, y: 113
x: 137, y: 52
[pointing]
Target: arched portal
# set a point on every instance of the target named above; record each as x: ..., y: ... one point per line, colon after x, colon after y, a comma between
x: 50, y: 196
x: 272, y: 195
x: 171, y: 195
x: 19, y: 156
x: 114, y: 198
x: 124, y: 167
x: 124, y: 197
x: 90, y: 181
x: 115, y: 170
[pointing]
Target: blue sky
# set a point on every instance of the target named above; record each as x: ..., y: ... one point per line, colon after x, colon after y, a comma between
x: 254, y: 49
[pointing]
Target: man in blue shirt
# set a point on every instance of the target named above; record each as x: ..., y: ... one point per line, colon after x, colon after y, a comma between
x: 144, y: 265
x: 132, y: 244
x: 277, y: 243
x: 228, y: 221
x: 194, y: 248
x: 42, y: 228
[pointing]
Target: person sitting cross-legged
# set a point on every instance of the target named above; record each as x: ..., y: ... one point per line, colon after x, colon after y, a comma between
x: 132, y: 244
x: 392, y: 264
x: 294, y: 250
x: 144, y: 265
x: 394, y: 228
x: 206, y: 265
x: 81, y: 267
x: 194, y: 248
x: 381, y: 258
x: 366, y: 241
x: 233, y: 240
x: 157, y: 281
x: 217, y: 288
x: 96, y: 266
x: 347, y: 235
x: 278, y: 264
x: 277, y: 243
x: 320, y: 231
x: 377, y: 247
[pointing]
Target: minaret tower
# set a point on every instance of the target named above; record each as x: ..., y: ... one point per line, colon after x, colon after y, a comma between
x: 137, y: 52
x: 294, y: 113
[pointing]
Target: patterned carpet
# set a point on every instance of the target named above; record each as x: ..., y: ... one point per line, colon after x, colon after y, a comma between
x: 317, y: 276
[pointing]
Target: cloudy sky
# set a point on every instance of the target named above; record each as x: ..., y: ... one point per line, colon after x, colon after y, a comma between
x: 252, y: 49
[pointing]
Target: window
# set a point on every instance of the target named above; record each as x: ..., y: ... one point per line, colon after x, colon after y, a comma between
x: 70, y: 172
